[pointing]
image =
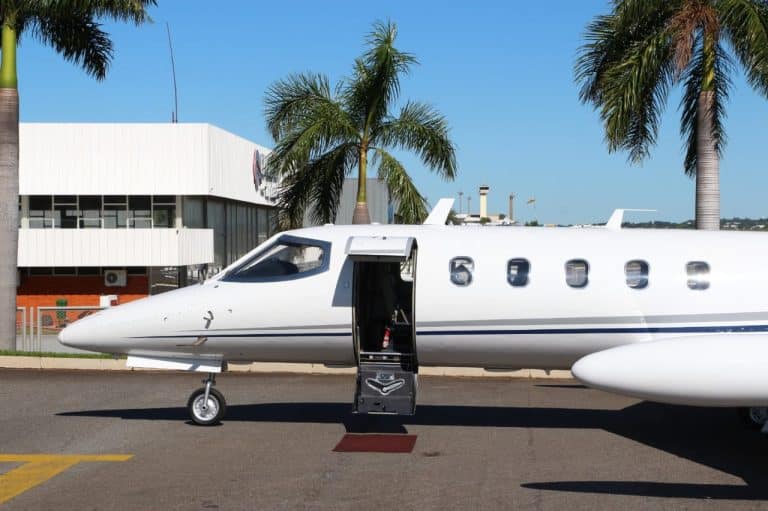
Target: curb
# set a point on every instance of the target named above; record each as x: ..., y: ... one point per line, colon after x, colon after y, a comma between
x: 105, y: 364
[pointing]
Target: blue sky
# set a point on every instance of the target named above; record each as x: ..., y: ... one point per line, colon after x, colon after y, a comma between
x: 500, y: 71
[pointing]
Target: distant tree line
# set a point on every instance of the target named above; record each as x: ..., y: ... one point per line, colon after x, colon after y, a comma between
x: 734, y: 224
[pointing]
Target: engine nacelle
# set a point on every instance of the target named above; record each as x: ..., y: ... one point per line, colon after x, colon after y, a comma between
x: 729, y: 369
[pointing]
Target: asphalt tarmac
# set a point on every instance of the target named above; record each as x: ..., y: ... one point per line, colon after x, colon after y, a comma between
x: 480, y: 444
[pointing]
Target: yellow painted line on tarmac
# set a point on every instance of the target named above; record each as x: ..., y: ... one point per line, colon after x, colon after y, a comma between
x: 38, y: 468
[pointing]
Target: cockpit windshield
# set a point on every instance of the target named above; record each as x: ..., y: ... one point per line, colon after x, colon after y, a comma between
x: 286, y: 259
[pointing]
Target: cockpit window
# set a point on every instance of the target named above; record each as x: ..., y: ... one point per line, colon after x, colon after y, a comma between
x: 288, y: 258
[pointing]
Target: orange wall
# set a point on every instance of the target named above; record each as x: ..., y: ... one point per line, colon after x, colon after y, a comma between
x: 44, y: 290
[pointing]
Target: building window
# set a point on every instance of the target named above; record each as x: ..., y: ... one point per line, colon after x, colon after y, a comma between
x: 216, y: 219
x: 40, y: 212
x: 162, y: 279
x: 517, y: 272
x: 461, y: 269
x: 136, y: 270
x: 698, y: 275
x: 115, y: 212
x: 636, y: 273
x: 90, y: 212
x: 164, y: 211
x: 65, y: 270
x: 140, y: 212
x: 271, y: 220
x: 576, y: 273
x: 89, y: 270
x: 263, y: 226
x: 65, y: 214
x: 194, y: 212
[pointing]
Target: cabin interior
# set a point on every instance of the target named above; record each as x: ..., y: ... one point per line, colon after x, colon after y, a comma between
x: 384, y: 299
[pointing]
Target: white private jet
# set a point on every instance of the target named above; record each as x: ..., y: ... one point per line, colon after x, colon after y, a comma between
x: 674, y: 316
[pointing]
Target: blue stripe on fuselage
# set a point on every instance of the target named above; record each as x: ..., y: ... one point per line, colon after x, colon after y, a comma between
x: 535, y: 331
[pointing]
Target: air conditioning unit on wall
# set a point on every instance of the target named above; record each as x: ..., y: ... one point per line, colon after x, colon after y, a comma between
x: 115, y: 278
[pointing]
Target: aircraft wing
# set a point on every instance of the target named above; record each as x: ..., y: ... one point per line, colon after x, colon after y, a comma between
x: 724, y: 369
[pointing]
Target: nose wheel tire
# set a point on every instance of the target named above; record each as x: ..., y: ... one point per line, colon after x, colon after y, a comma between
x: 754, y: 417
x: 210, y: 413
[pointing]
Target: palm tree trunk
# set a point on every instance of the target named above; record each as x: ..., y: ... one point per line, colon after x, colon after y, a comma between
x: 361, y: 215
x: 9, y: 188
x: 707, y: 167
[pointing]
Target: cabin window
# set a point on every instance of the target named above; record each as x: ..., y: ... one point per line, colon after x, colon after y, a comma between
x: 287, y: 259
x: 698, y: 274
x: 576, y: 272
x: 517, y: 272
x: 461, y: 270
x: 637, y: 274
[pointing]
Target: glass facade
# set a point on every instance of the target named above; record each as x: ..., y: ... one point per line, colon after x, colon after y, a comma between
x: 115, y: 212
x: 65, y: 212
x: 40, y: 212
x: 140, y: 212
x: 90, y: 212
x: 97, y: 211
x: 238, y: 227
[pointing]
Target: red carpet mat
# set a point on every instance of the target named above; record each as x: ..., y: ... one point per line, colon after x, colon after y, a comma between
x: 376, y: 443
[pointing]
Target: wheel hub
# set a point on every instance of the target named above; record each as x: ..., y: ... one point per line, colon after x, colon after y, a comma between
x: 204, y: 412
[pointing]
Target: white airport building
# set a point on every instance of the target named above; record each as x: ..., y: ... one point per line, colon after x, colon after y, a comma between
x: 132, y: 209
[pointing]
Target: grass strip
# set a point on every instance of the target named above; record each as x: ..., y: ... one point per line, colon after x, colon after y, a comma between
x: 16, y: 353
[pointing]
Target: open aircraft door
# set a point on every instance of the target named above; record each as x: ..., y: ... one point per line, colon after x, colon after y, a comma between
x: 383, y: 320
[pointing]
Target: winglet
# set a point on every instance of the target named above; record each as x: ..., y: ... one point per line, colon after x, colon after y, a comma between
x: 439, y: 214
x: 617, y: 218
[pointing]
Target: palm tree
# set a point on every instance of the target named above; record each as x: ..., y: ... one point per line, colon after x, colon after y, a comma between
x: 72, y: 29
x: 321, y: 135
x: 634, y: 55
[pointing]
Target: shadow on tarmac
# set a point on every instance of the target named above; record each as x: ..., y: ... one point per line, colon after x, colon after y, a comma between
x: 708, y: 436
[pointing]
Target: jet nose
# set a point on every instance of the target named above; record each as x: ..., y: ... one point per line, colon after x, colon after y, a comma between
x: 69, y: 336
x: 81, y: 334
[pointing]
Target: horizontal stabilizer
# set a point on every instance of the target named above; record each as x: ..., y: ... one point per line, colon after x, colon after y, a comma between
x: 724, y: 369
x: 439, y: 214
x: 175, y: 364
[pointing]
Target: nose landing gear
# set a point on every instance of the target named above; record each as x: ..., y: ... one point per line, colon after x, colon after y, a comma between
x: 206, y: 405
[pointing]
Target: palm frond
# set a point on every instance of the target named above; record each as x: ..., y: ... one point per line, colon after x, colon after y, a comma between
x: 689, y: 104
x: 289, y: 102
x: 411, y: 206
x: 134, y: 11
x: 293, y: 196
x: 609, y: 37
x: 634, y: 93
x: 76, y: 36
x: 330, y: 170
x: 745, y: 26
x: 423, y: 130
x: 308, y: 132
x: 375, y: 83
x: 693, y: 17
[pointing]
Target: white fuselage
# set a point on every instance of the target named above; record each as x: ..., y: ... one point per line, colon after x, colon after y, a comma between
x: 488, y: 323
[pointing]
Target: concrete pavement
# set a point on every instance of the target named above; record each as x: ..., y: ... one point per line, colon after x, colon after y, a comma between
x: 481, y: 444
